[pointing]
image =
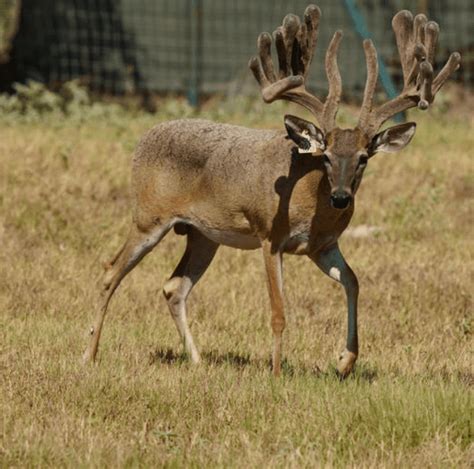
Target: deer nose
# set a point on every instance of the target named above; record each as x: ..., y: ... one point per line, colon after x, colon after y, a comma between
x: 340, y: 199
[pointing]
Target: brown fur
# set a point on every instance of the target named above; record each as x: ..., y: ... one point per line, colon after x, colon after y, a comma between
x: 209, y: 174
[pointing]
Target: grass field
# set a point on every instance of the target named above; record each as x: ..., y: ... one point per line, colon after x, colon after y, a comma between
x: 65, y: 206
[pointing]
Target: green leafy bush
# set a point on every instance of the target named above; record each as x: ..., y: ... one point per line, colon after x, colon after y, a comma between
x: 33, y: 101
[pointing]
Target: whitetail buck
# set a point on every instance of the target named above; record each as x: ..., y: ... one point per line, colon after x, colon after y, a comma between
x: 285, y: 192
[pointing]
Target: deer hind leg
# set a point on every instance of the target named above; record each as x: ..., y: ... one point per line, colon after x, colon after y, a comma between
x: 196, y: 259
x: 138, y: 244
x: 332, y: 263
x: 273, y: 267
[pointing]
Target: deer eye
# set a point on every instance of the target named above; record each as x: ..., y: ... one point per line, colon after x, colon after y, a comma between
x: 326, y: 160
x: 363, y: 161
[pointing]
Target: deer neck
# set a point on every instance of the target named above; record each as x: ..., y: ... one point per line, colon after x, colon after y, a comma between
x: 304, y: 220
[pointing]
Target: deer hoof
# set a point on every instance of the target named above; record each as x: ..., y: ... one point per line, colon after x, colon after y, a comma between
x: 87, y: 359
x: 195, y: 358
x: 346, y: 363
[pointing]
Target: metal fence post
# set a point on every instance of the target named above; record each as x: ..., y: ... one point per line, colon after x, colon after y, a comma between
x: 195, y: 48
x: 364, y: 33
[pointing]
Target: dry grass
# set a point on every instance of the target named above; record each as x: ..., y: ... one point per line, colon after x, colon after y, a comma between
x: 64, y: 206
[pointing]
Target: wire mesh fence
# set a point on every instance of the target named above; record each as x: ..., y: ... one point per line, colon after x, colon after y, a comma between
x: 192, y: 46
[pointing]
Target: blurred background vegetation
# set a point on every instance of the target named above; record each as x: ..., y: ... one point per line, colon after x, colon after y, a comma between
x: 199, y: 47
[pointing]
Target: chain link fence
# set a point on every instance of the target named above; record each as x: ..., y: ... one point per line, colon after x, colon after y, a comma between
x: 201, y: 46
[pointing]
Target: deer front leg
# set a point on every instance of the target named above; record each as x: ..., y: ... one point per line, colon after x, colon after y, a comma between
x: 332, y: 263
x: 273, y: 266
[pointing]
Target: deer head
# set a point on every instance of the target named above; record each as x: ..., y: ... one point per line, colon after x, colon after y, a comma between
x: 347, y: 151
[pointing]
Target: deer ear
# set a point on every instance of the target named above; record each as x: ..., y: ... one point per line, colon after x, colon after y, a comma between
x: 305, y: 134
x: 392, y: 139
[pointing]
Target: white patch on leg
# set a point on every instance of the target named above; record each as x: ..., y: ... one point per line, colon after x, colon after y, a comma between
x: 335, y: 273
x: 171, y: 286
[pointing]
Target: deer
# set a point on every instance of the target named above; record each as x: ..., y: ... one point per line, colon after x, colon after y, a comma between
x: 288, y: 191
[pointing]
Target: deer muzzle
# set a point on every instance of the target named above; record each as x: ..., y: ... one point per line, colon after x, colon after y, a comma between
x: 340, y: 199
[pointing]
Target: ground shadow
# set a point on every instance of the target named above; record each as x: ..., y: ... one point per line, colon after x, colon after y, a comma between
x: 237, y: 360
x: 168, y: 356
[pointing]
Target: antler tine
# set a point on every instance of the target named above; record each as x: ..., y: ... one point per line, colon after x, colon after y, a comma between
x: 416, y: 42
x: 370, y: 84
x: 402, y: 24
x: 419, y: 24
x: 309, y: 35
x: 431, y: 38
x: 335, y: 83
x: 449, y: 68
x: 426, y: 79
x: 264, y: 44
x: 285, y: 40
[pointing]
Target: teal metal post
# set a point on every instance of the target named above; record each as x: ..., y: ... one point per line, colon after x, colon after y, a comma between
x: 361, y: 28
x: 195, y: 47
